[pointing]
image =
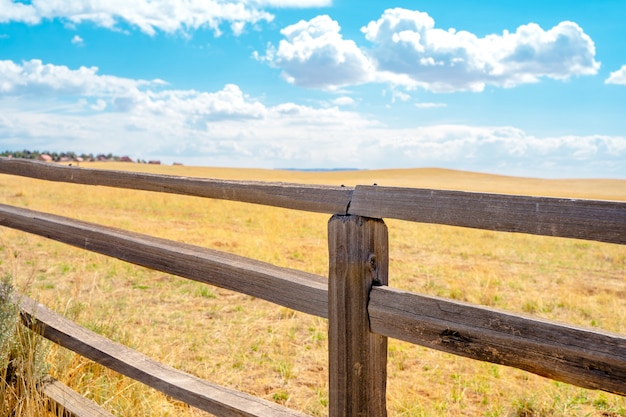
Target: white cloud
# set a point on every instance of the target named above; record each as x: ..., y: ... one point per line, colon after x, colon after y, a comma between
x: 409, y: 51
x: 223, y: 128
x: 315, y: 55
x: 36, y: 78
x: 19, y: 12
x: 199, y: 108
x: 504, y: 149
x: 617, y: 77
x: 429, y: 105
x: 99, y: 105
x: 77, y: 40
x: 57, y: 108
x: 80, y: 109
x: 397, y: 95
x: 408, y: 44
x: 148, y: 16
x: 98, y: 92
x: 343, y: 101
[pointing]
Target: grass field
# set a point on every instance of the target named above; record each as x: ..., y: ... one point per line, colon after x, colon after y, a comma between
x: 278, y: 354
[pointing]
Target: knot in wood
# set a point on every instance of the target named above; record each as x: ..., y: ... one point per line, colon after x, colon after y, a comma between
x: 453, y: 337
x: 371, y: 262
x: 372, y: 266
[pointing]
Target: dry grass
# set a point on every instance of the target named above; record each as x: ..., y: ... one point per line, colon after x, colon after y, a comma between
x: 277, y: 354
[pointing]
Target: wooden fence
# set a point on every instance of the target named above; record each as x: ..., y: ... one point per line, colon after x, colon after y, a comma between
x: 362, y: 310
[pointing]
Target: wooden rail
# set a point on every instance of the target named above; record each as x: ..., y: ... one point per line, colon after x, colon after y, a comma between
x: 362, y: 310
x: 603, y: 221
x: 68, y: 402
x: 288, y: 287
x: 315, y: 198
x: 180, y: 385
x: 586, y: 358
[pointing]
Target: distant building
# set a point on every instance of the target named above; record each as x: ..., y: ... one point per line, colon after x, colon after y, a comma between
x: 125, y: 159
x: 154, y: 162
x: 45, y: 157
x: 177, y: 163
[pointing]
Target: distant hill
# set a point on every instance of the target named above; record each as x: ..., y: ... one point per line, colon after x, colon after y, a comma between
x: 318, y: 169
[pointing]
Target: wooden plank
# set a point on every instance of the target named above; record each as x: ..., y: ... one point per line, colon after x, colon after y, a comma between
x: 69, y: 402
x: 359, y: 259
x: 586, y: 358
x: 314, y: 198
x: 603, y: 221
x: 287, y: 287
x: 192, y: 390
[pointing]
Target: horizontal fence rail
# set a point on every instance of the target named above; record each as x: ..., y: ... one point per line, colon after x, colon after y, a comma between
x: 603, y: 221
x: 180, y: 385
x: 287, y: 287
x: 69, y: 402
x: 586, y: 358
x: 314, y: 198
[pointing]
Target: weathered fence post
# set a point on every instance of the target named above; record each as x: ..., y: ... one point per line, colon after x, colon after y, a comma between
x: 358, y: 259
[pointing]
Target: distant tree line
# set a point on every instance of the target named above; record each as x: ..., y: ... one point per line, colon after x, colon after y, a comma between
x: 61, y: 156
x: 73, y: 156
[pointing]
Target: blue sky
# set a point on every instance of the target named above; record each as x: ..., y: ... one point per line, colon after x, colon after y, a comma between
x: 529, y: 88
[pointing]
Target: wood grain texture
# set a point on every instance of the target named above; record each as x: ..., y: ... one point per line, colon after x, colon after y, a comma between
x: 359, y: 259
x: 287, y: 287
x: 194, y: 391
x: 313, y: 198
x: 70, y: 403
x: 586, y: 358
x: 603, y: 221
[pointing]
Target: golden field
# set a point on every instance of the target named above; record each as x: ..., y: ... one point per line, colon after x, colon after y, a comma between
x: 277, y: 354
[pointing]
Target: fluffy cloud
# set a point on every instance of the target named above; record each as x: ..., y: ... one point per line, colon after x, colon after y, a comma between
x: 343, y: 101
x: 148, y: 16
x: 617, y: 77
x: 408, y: 50
x: 314, y: 54
x: 19, y: 12
x: 80, y: 110
x: 88, y: 89
x: 408, y: 44
x: 473, y: 146
x: 220, y: 128
x: 36, y: 78
x: 500, y: 149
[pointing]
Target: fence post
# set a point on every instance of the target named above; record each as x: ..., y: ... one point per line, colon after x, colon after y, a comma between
x: 358, y: 259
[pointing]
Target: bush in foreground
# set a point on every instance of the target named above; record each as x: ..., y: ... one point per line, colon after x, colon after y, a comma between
x: 22, y: 364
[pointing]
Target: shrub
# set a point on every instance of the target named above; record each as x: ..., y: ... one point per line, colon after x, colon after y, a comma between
x: 22, y: 365
x: 8, y: 322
